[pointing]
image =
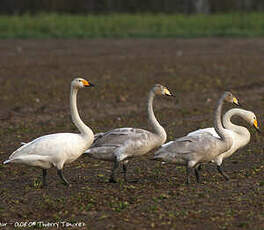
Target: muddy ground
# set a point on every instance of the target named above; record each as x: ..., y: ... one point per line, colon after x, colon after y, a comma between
x: 34, y: 88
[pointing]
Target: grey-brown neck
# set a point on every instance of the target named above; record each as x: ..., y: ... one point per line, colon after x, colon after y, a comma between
x: 84, y: 129
x: 157, y: 128
x: 226, y: 139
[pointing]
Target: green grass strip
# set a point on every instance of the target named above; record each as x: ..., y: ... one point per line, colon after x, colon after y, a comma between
x: 131, y: 26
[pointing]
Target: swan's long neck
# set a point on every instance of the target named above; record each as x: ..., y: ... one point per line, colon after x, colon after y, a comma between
x: 84, y: 129
x: 227, y: 140
x: 240, y: 130
x: 158, y: 129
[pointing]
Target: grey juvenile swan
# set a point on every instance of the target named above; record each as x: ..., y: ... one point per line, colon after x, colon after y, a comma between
x: 59, y: 148
x: 239, y: 134
x: 118, y: 145
x: 194, y: 150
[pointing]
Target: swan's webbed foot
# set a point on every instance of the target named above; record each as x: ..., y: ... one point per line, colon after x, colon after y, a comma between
x: 60, y: 173
x: 196, y: 171
x: 112, y: 177
x: 44, y: 174
x: 222, y: 172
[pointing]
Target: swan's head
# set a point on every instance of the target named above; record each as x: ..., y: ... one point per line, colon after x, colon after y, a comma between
x: 251, y: 118
x: 229, y: 97
x: 81, y: 83
x: 161, y: 90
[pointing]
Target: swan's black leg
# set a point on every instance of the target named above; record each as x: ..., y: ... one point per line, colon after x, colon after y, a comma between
x: 125, y: 171
x: 188, y: 174
x: 60, y: 173
x: 197, y: 174
x: 199, y: 167
x: 112, y: 177
x: 44, y: 174
x: 222, y: 173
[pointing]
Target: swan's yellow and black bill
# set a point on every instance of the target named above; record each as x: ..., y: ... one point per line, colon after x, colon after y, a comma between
x: 87, y: 83
x: 255, y: 124
x: 235, y: 101
x: 167, y: 92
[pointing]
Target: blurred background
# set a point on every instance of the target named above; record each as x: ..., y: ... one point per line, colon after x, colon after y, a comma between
x: 133, y: 18
x: 129, y: 6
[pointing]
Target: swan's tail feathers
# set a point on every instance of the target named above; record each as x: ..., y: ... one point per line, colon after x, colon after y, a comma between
x: 7, y: 161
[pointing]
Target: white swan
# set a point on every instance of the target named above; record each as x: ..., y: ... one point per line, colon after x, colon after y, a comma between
x: 120, y: 144
x: 60, y: 148
x: 239, y: 134
x: 194, y: 150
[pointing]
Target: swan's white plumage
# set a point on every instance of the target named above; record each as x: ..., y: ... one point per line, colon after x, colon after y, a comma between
x: 60, y: 148
x: 50, y: 150
x: 239, y: 134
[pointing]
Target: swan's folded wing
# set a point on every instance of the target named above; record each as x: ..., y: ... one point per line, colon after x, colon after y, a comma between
x: 107, y: 144
x: 117, y: 137
x: 197, y: 144
x: 208, y: 132
x: 49, y: 145
x: 204, y: 131
x: 176, y: 151
x: 182, y: 145
x: 189, y: 144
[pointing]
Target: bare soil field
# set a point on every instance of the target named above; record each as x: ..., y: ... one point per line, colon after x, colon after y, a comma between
x: 35, y: 78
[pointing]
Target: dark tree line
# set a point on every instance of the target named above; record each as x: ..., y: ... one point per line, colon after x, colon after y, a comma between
x: 129, y: 6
